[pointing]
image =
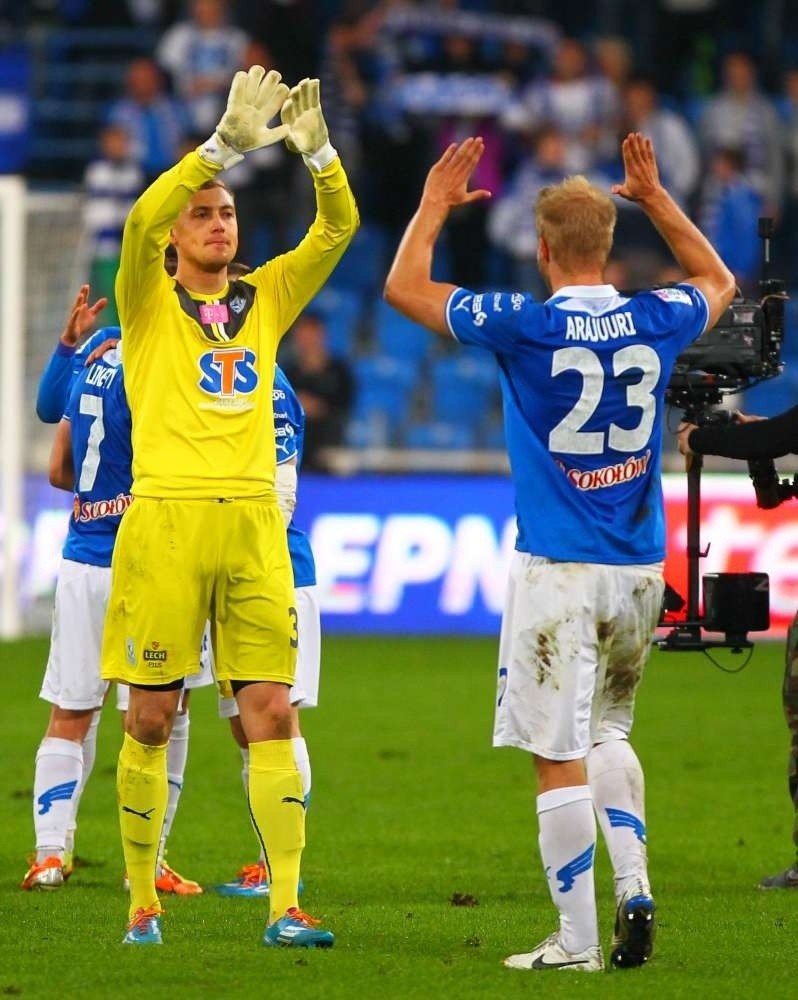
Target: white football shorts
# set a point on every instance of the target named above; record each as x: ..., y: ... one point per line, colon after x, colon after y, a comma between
x: 574, y: 640
x: 72, y: 676
x: 305, y: 692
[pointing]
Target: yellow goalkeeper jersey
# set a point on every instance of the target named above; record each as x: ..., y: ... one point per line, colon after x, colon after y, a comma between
x: 199, y: 369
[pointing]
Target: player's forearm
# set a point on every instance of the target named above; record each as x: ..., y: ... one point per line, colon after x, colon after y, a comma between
x: 413, y: 261
x: 62, y: 478
x: 759, y: 439
x: 54, y: 385
x: 61, y: 469
x: 409, y: 287
x: 304, y: 270
x: 337, y: 217
x: 146, y: 232
x: 693, y: 252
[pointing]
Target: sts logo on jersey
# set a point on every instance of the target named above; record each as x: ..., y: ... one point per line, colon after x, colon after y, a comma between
x: 228, y: 372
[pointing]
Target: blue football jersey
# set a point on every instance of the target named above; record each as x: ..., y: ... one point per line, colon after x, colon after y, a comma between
x: 289, y: 436
x: 101, y: 452
x: 583, y: 379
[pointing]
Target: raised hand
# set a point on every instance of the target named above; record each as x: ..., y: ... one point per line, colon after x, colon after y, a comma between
x: 642, y: 174
x: 301, y: 114
x: 100, y: 350
x: 255, y: 98
x: 447, y: 181
x: 81, y: 317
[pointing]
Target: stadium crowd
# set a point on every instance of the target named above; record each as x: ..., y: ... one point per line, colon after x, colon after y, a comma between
x: 550, y: 88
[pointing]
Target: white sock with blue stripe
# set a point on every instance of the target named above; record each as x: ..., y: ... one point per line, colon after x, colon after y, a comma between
x: 302, y: 759
x: 567, y: 842
x: 176, y: 758
x: 618, y: 787
x: 89, y: 751
x: 59, y: 767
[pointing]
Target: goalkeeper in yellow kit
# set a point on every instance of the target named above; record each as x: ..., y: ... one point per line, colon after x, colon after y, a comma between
x: 204, y: 537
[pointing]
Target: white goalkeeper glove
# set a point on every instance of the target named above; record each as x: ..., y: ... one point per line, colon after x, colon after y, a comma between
x: 255, y: 98
x: 307, y: 130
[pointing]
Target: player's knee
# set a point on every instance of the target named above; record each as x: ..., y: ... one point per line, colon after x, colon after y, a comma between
x: 152, y: 732
x: 265, y: 710
x: 559, y: 773
x: 149, y: 721
x: 274, y: 722
x: 68, y: 724
x: 238, y: 731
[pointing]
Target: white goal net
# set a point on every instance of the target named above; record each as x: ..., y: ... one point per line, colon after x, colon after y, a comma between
x: 44, y: 262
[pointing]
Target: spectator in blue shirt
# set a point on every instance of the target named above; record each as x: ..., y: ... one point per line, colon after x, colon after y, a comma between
x: 200, y: 54
x: 729, y: 209
x: 156, y: 124
x: 111, y: 184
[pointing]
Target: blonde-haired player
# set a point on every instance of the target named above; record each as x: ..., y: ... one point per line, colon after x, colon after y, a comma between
x: 204, y: 537
x: 583, y: 378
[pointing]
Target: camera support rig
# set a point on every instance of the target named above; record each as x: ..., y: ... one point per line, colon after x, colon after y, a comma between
x: 734, y: 602
x: 742, y: 349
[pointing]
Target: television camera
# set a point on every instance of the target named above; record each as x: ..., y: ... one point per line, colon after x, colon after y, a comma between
x: 741, y: 350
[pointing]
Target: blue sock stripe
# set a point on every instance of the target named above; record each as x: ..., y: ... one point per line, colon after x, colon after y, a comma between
x: 581, y: 863
x: 619, y: 817
x: 57, y: 793
x: 503, y: 675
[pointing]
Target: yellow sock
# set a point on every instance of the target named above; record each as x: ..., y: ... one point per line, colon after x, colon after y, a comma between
x: 278, y: 812
x: 142, y: 791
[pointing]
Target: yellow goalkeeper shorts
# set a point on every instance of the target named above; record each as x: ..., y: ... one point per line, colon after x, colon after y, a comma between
x: 177, y: 563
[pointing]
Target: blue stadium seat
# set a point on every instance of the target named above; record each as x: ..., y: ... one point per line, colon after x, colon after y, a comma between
x: 363, y: 266
x: 15, y: 86
x: 79, y: 70
x: 384, y: 391
x: 440, y: 436
x: 372, y: 432
x: 341, y: 310
x: 399, y: 337
x: 464, y: 388
x: 493, y: 437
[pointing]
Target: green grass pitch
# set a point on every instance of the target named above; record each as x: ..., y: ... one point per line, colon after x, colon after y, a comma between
x: 411, y: 806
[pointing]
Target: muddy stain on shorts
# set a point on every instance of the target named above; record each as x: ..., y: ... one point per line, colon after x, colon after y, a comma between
x: 543, y: 653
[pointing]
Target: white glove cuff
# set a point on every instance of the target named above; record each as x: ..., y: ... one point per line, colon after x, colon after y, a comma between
x: 321, y: 158
x: 285, y: 483
x: 216, y: 150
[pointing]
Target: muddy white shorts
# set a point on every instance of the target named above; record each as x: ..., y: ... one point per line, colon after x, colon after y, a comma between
x: 574, y: 640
